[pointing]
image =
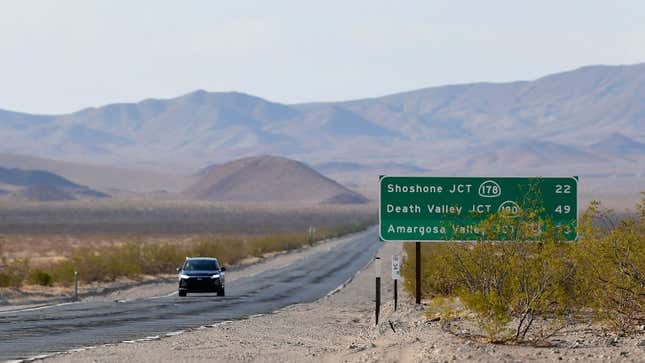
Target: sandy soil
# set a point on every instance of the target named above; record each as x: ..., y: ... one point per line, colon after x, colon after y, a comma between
x: 341, y: 328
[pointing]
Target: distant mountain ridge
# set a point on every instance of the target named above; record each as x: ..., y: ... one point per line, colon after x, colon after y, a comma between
x: 29, y: 178
x: 571, y: 111
x: 619, y: 144
x: 40, y: 185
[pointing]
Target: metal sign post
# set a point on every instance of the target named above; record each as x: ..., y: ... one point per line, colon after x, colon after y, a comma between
x: 396, y: 275
x: 417, y: 276
x: 377, y: 268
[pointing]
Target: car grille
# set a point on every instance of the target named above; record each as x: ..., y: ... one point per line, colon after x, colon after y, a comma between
x: 201, y: 283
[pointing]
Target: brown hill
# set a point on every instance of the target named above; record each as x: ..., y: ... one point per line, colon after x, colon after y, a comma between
x: 269, y: 179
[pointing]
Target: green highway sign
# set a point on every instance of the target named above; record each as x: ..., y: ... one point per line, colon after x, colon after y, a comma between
x: 451, y: 208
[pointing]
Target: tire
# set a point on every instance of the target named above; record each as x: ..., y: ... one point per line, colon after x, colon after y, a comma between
x: 182, y: 293
x: 221, y: 292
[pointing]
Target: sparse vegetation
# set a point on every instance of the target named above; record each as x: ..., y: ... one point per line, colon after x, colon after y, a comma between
x: 258, y: 231
x: 611, y: 256
x: 146, y: 217
x: 508, y: 286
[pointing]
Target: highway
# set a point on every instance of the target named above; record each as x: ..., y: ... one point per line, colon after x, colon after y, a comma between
x: 28, y: 333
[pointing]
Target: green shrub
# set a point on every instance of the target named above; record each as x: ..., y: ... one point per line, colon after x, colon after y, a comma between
x: 62, y: 272
x: 14, y: 272
x: 507, y: 285
x: 436, y: 265
x: 39, y: 277
x: 612, y: 262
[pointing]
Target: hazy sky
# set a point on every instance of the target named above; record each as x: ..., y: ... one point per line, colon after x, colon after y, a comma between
x: 60, y: 56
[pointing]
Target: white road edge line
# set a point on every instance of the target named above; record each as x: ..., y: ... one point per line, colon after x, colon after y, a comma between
x: 37, y: 308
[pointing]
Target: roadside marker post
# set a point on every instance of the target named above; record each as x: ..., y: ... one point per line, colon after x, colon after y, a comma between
x: 75, y: 285
x: 396, y: 275
x: 311, y: 234
x: 377, y: 268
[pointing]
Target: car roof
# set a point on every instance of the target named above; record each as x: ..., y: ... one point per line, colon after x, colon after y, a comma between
x: 201, y: 258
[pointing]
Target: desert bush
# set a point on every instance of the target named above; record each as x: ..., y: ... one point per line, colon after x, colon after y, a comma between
x: 62, y: 272
x: 39, y: 277
x: 513, y: 283
x: 507, y: 285
x: 13, y: 272
x: 159, y: 259
x: 612, y: 262
x: 437, y: 268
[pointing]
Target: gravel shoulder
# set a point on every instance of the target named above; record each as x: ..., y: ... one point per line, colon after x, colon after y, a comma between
x: 341, y: 328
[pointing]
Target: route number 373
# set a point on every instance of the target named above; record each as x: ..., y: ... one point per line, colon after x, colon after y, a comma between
x: 562, y: 189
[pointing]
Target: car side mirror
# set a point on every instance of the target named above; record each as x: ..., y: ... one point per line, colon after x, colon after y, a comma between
x: 223, y: 269
x: 178, y: 269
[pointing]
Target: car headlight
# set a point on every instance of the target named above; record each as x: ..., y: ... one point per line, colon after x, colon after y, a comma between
x: 216, y: 276
x: 183, y: 276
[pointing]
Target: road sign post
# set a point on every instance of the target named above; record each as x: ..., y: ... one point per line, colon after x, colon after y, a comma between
x: 377, y: 269
x: 417, y: 273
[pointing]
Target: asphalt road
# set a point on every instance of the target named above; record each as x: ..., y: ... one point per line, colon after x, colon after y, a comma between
x: 27, y: 333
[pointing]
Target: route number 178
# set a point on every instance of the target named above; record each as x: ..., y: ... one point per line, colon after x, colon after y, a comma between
x: 562, y: 189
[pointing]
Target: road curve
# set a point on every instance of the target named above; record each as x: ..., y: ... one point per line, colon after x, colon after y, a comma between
x: 27, y: 333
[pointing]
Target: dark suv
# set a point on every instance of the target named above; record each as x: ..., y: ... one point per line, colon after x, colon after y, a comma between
x: 201, y: 274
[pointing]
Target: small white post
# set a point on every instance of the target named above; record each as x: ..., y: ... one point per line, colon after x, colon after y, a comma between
x: 75, y: 285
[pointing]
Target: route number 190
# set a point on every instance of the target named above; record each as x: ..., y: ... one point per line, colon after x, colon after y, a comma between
x: 562, y: 189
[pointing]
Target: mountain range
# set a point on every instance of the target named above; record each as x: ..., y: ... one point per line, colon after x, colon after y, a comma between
x: 589, y: 122
x: 601, y: 108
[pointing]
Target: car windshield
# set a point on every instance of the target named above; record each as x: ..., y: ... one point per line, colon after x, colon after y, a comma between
x: 200, y: 265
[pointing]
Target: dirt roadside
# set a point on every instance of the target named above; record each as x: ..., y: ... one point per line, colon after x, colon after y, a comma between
x: 340, y: 328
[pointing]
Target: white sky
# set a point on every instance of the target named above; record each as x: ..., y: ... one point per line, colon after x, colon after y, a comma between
x: 61, y: 56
